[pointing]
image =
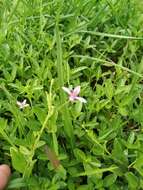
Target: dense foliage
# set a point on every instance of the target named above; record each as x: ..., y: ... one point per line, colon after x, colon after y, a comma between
x: 53, y: 143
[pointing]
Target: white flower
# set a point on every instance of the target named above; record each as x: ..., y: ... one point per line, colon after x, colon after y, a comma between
x: 22, y: 104
x: 73, y: 94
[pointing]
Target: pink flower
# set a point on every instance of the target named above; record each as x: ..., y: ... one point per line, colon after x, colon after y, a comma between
x: 22, y: 104
x: 73, y: 94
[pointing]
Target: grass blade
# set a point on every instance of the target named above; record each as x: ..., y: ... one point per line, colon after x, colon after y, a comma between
x: 96, y: 171
x: 109, y: 63
x: 68, y: 128
x: 102, y: 34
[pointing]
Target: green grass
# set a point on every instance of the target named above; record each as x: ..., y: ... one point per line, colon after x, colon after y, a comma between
x: 56, y: 144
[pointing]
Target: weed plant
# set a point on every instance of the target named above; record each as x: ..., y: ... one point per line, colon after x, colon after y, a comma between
x: 52, y: 140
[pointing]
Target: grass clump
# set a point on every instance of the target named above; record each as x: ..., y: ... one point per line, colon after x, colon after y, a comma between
x: 51, y: 142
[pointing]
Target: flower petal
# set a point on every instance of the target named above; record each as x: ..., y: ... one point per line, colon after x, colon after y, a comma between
x: 67, y: 90
x: 24, y: 102
x: 18, y: 103
x: 76, y: 90
x: 81, y: 99
x: 72, y: 99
